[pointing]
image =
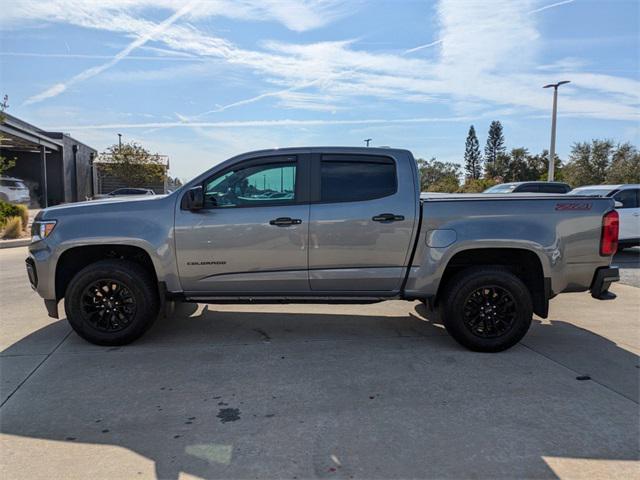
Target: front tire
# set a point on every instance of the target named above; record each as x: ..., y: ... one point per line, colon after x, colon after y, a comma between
x: 111, y: 302
x: 486, y: 309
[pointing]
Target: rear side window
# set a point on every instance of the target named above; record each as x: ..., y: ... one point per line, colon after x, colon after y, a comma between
x: 628, y: 198
x: 527, y: 189
x: 553, y: 189
x: 345, y: 178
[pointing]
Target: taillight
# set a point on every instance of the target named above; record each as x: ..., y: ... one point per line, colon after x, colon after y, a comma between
x: 609, y: 237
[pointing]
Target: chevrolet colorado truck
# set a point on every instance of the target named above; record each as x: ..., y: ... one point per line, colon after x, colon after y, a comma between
x: 322, y: 225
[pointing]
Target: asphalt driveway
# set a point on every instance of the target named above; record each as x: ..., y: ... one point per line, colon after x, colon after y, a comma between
x: 298, y: 392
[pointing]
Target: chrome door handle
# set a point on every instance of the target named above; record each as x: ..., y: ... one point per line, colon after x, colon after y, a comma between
x: 285, y: 221
x: 388, y: 218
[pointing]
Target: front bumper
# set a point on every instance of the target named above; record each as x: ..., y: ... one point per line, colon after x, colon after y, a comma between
x: 602, y: 279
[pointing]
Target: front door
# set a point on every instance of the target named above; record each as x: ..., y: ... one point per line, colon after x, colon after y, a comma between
x: 251, y: 235
x: 361, y: 222
x: 629, y: 213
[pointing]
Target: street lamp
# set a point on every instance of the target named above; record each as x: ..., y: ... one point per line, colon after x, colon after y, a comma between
x: 119, y: 142
x: 552, y: 150
x: 367, y: 140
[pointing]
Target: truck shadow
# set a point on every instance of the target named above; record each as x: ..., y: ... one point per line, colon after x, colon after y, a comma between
x: 239, y: 394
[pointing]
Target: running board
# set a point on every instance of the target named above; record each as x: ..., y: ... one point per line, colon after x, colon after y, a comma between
x: 258, y: 300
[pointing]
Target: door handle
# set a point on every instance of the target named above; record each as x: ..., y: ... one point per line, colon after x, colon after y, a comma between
x: 388, y: 218
x: 285, y: 221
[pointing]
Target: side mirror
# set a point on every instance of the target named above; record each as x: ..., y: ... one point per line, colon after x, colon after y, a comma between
x: 193, y: 199
x: 617, y: 204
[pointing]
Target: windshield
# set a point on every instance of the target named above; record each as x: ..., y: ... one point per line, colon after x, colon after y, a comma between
x: 503, y: 188
x: 591, y: 192
x: 12, y: 183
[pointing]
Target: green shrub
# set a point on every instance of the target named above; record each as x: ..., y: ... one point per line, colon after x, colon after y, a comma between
x: 12, y: 228
x: 8, y: 210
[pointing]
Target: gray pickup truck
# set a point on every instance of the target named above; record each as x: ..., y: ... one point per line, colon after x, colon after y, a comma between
x: 322, y: 225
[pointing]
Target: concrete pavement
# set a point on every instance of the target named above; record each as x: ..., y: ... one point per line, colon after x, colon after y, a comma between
x: 297, y: 392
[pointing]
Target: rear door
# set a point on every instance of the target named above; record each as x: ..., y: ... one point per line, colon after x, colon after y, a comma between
x: 362, y: 216
x: 629, y: 213
x: 251, y: 237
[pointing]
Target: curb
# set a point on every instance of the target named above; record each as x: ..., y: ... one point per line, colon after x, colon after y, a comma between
x: 18, y: 242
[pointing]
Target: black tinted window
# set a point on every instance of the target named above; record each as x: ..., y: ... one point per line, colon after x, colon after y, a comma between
x: 553, y: 189
x: 628, y: 198
x: 344, y: 179
x: 527, y: 189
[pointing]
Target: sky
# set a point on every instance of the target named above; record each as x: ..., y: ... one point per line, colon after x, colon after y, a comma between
x: 204, y: 80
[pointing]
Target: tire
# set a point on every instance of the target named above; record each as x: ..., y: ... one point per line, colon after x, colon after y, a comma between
x: 486, y: 309
x: 111, y: 302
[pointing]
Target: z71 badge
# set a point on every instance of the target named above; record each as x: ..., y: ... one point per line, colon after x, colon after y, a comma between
x: 217, y: 262
x: 573, y: 206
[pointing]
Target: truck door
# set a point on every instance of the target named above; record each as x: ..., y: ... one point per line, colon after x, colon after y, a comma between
x: 252, y: 234
x: 629, y: 213
x: 362, y: 218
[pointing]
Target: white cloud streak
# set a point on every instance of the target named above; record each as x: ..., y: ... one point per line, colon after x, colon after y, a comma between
x: 553, y: 5
x: 267, y: 123
x: 58, y: 88
x: 422, y: 47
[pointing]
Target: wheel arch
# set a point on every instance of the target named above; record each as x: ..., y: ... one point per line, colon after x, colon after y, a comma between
x: 75, y: 258
x: 524, y: 263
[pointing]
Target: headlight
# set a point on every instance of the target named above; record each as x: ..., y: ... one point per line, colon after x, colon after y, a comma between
x: 42, y: 229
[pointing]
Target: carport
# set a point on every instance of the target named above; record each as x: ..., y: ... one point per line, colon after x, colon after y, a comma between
x: 56, y: 167
x: 33, y: 148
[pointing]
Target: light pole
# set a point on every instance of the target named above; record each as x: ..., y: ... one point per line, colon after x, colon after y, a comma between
x: 367, y: 140
x: 552, y: 150
x: 119, y: 142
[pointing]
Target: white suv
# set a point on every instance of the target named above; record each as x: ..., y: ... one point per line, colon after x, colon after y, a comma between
x: 14, y: 190
x: 629, y: 196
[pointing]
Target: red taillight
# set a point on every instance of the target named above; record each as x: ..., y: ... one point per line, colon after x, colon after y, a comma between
x: 609, y: 238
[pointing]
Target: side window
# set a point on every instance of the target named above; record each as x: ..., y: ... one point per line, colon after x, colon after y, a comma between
x: 344, y: 178
x: 527, y: 189
x: 628, y: 198
x: 553, y: 189
x: 253, y: 185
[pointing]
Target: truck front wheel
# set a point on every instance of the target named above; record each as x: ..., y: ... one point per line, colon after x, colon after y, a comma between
x: 111, y: 302
x: 486, y: 309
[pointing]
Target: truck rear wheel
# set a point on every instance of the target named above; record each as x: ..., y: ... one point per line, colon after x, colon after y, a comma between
x: 486, y: 309
x: 111, y: 302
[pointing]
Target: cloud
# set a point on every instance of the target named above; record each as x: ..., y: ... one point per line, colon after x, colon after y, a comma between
x: 482, y: 59
x: 553, y: 5
x: 266, y: 123
x: 58, y: 88
x: 296, y: 15
x: 422, y: 47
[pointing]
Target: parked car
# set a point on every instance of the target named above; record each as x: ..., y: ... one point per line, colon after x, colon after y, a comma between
x: 488, y: 262
x: 530, y: 187
x: 14, y: 190
x: 131, y: 191
x: 628, y: 207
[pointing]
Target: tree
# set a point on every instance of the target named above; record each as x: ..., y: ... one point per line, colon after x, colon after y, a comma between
x: 438, y: 176
x: 133, y: 164
x: 625, y: 165
x: 472, y: 155
x: 477, y: 186
x: 5, y: 163
x: 495, y: 144
x: 538, y: 167
x: 589, y: 162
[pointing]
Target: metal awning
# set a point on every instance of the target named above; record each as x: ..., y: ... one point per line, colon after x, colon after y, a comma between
x: 16, y: 137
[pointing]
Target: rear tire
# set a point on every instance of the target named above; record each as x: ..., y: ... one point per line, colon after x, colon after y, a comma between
x: 111, y: 302
x: 486, y: 309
